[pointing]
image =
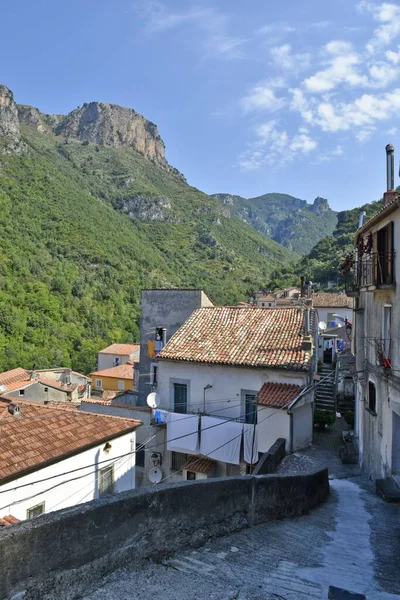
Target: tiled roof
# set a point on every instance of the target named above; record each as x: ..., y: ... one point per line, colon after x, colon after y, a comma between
x: 121, y: 349
x: 241, y: 336
x: 278, y: 395
x: 8, y: 520
x: 327, y: 300
x: 43, y: 435
x: 102, y: 402
x: 17, y: 385
x: 13, y: 376
x: 199, y: 464
x: 124, y: 371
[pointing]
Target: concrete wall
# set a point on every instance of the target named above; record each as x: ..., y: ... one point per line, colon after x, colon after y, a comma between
x: 272, y: 424
x: 61, y: 555
x: 375, y: 432
x: 163, y: 308
x: 302, y: 426
x: 78, y: 487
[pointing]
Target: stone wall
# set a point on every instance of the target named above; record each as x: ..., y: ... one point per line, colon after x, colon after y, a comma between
x: 270, y: 460
x: 62, y: 554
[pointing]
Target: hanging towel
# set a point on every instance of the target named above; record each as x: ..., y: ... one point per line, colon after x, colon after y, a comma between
x: 248, y: 444
x: 221, y: 442
x: 186, y: 428
x: 150, y: 348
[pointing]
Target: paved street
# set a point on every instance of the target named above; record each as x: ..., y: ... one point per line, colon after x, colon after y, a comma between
x: 352, y: 541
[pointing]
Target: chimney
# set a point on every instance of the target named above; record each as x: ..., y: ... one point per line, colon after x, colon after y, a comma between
x: 307, y: 344
x: 14, y: 409
x: 164, y: 336
x: 390, y: 191
x: 302, y: 286
x: 361, y: 219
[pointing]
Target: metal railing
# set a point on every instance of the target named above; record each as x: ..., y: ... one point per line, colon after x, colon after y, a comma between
x: 374, y: 269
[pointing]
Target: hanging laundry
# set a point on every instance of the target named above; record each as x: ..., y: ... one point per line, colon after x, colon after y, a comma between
x: 221, y: 440
x: 150, y: 349
x: 183, y: 433
x: 250, y: 439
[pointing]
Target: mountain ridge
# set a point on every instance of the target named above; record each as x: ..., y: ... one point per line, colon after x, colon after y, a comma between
x: 290, y: 221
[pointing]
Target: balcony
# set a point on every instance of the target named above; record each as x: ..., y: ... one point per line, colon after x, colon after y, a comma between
x: 375, y: 270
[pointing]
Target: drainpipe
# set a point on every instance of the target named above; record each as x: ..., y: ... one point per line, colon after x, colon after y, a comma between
x: 207, y: 387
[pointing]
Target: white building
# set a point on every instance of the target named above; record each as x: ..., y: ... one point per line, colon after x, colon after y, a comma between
x: 117, y: 354
x: 371, y: 279
x: 238, y: 366
x: 53, y: 458
x: 333, y: 309
x: 44, y: 386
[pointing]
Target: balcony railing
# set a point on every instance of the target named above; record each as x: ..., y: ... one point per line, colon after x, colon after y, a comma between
x: 376, y: 269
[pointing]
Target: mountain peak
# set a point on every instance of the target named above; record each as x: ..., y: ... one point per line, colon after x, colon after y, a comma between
x: 320, y: 206
x: 111, y: 125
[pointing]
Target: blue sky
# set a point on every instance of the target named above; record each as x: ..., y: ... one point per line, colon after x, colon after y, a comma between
x: 249, y: 97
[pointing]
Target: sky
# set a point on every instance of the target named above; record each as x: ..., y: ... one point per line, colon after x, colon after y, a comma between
x: 249, y: 97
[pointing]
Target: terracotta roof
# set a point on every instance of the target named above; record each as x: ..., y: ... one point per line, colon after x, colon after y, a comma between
x: 8, y: 520
x: 327, y: 300
x: 253, y: 337
x: 124, y: 371
x: 43, y: 435
x: 121, y: 349
x: 199, y: 464
x: 103, y: 402
x: 13, y: 376
x: 17, y: 385
x: 278, y: 395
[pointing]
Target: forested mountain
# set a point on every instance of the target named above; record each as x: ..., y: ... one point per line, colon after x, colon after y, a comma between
x: 322, y: 264
x: 90, y: 213
x: 289, y: 221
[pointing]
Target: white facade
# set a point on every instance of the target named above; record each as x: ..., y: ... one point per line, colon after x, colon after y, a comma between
x: 226, y: 398
x: 378, y: 429
x: 63, y: 489
x: 106, y: 360
x: 326, y: 314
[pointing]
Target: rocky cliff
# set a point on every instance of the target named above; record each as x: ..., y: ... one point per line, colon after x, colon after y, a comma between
x: 10, y: 135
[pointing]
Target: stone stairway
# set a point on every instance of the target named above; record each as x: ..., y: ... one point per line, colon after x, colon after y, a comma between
x: 325, y: 392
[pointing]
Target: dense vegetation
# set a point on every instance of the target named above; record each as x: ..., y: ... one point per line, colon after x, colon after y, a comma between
x: 289, y: 221
x: 322, y: 264
x: 72, y: 263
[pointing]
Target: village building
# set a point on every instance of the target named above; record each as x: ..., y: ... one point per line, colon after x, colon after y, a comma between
x: 117, y: 354
x: 371, y: 278
x: 56, y: 457
x: 47, y: 385
x: 333, y: 309
x: 120, y: 378
x: 240, y: 375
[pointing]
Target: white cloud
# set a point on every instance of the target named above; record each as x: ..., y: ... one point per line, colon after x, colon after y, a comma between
x: 382, y: 73
x: 342, y: 69
x: 338, y: 47
x: 212, y: 25
x: 275, y: 146
x: 393, y: 57
x: 285, y: 59
x: 262, y: 97
x: 386, y: 13
x: 328, y: 155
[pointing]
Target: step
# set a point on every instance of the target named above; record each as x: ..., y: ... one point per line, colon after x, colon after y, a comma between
x: 388, y: 489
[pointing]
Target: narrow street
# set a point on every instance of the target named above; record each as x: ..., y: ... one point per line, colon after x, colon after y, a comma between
x: 352, y: 542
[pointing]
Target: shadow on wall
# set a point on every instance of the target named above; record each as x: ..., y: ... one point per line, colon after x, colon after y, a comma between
x: 61, y: 554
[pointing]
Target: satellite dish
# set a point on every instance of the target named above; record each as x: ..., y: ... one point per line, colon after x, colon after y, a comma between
x: 153, y: 400
x: 322, y: 325
x: 155, y: 475
x: 3, y: 388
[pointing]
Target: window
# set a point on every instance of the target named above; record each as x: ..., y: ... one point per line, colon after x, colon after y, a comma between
x: 386, y: 325
x: 22, y: 392
x: 180, y: 397
x: 331, y: 319
x: 372, y: 397
x: 154, y: 374
x: 117, y: 361
x: 46, y: 389
x: 262, y: 303
x: 35, y: 511
x: 249, y: 406
x: 121, y: 384
x: 177, y: 460
x: 106, y: 480
x: 190, y: 476
x: 140, y: 457
x: 98, y: 383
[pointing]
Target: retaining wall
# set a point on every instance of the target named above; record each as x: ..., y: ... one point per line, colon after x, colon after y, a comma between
x: 60, y: 555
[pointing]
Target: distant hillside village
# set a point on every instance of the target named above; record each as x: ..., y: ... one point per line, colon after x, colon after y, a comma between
x: 206, y: 393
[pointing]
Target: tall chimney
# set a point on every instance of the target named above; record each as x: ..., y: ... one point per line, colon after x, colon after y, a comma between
x: 361, y: 218
x: 389, y: 168
x: 390, y: 191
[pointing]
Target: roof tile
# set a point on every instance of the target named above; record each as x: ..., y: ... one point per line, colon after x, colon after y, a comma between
x: 199, y: 464
x: 278, y: 395
x: 121, y: 349
x: 242, y: 336
x: 124, y: 371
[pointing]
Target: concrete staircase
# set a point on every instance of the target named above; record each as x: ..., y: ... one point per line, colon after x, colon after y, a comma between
x: 325, y: 392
